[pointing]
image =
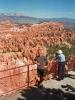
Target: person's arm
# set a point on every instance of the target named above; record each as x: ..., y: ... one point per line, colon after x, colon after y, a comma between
x: 57, y: 57
x: 46, y: 61
x: 35, y: 60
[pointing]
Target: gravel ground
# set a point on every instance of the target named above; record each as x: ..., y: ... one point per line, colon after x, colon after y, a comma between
x: 52, y: 90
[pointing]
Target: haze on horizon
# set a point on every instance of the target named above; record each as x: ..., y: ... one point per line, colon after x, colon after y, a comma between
x: 40, y: 8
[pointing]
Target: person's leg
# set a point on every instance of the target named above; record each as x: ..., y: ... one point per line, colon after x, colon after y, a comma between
x: 42, y: 74
x: 59, y: 71
x: 39, y: 75
x: 63, y: 70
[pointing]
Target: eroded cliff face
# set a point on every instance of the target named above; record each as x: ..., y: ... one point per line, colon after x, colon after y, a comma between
x: 19, y: 45
x: 24, y: 40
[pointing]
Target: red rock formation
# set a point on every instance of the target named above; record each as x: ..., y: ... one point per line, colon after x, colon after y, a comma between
x: 19, y: 45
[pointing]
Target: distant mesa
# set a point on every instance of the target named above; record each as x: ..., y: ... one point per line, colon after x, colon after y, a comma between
x: 22, y: 19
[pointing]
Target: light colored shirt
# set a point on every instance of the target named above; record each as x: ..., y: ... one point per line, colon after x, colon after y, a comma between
x: 61, y: 58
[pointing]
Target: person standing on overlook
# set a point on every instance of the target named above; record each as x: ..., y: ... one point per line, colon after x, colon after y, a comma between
x: 61, y: 64
x: 41, y: 61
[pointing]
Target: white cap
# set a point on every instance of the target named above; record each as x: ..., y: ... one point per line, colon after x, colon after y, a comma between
x: 59, y: 52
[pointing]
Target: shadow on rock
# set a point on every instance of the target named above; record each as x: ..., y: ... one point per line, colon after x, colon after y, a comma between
x: 70, y: 76
x: 34, y: 93
x: 68, y: 88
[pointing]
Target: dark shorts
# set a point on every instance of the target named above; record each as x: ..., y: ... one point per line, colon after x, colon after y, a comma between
x: 41, y: 72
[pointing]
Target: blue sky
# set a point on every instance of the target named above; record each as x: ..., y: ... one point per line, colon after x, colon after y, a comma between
x: 39, y: 8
